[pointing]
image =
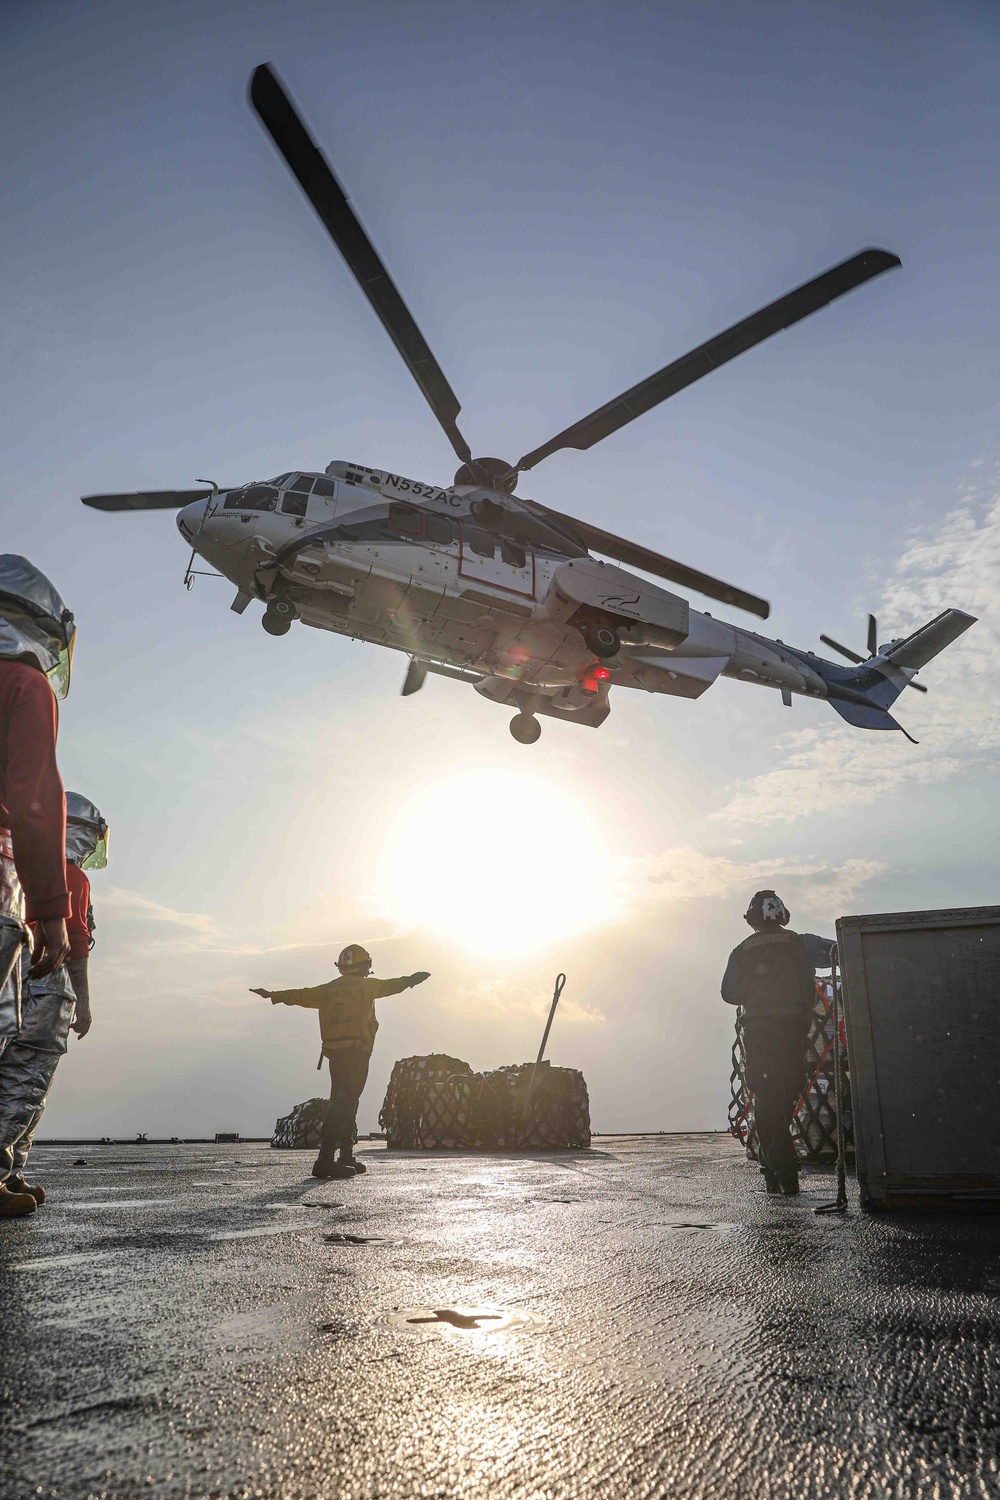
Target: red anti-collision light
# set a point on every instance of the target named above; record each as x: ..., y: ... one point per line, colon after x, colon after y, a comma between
x: 593, y: 677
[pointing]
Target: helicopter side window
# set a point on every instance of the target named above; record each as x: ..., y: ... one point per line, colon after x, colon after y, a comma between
x: 326, y: 488
x: 293, y: 503
x: 406, y: 519
x: 479, y: 541
x: 438, y: 529
x: 513, y: 553
x: 254, y: 497
x: 302, y: 483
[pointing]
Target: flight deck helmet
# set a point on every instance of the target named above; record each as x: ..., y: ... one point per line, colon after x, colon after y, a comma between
x: 86, y: 833
x: 766, y: 910
x: 355, y: 961
x: 35, y: 625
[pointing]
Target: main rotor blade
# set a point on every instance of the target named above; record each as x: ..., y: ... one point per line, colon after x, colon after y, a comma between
x: 828, y: 640
x: 635, y: 556
x: 724, y: 347
x: 324, y: 192
x: 146, y: 500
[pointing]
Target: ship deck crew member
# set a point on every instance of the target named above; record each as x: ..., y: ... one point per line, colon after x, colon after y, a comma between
x: 770, y: 976
x: 348, y: 1025
x: 52, y: 1005
x: 37, y: 635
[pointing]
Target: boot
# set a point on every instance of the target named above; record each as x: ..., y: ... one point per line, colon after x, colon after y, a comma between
x: 789, y: 1184
x: 348, y: 1159
x: 327, y: 1166
x: 17, y: 1184
x: 15, y: 1205
x: 771, y: 1182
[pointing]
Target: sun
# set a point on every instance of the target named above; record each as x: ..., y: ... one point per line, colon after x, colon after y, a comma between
x: 503, y: 863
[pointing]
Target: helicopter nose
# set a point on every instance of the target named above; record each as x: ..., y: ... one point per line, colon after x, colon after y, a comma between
x: 189, y: 518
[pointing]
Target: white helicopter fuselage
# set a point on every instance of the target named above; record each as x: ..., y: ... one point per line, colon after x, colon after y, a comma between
x: 381, y: 558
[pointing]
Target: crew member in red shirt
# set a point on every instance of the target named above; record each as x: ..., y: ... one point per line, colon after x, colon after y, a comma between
x: 53, y: 1005
x: 36, y: 648
x: 37, y: 635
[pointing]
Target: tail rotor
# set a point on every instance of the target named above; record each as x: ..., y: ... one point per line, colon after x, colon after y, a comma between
x: 872, y: 650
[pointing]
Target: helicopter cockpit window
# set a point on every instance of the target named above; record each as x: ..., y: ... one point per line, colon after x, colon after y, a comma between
x: 325, y: 487
x: 302, y: 483
x: 293, y: 503
x: 513, y: 553
x: 254, y: 497
x: 281, y: 479
x: 479, y: 541
x: 406, y: 519
x: 438, y: 529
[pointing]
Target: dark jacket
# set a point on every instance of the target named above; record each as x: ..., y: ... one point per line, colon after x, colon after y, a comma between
x: 769, y: 974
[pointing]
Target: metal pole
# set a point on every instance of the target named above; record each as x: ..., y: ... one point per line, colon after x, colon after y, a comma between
x: 839, y: 1206
x: 560, y: 985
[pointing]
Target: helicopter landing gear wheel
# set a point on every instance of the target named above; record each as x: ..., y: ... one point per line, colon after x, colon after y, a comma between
x: 525, y: 728
x: 600, y: 638
x: 278, y: 616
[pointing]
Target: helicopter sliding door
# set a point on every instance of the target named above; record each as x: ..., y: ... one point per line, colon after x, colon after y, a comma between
x: 496, y: 561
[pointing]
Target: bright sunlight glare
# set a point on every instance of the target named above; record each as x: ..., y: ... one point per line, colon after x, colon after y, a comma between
x: 502, y: 863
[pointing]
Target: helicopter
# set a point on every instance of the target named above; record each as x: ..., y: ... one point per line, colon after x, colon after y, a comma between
x: 475, y: 582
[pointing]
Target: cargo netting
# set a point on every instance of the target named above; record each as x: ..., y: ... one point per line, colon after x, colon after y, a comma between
x: 814, y: 1126
x: 438, y: 1103
x: 300, y: 1130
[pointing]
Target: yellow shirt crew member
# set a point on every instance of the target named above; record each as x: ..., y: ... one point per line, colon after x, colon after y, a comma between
x: 347, y: 1024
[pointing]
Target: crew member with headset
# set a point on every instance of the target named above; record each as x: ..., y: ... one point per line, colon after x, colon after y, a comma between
x: 771, y: 976
x: 348, y: 1025
x: 37, y: 635
x: 52, y: 1005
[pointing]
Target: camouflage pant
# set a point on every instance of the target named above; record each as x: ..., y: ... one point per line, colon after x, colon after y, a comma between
x: 28, y: 1063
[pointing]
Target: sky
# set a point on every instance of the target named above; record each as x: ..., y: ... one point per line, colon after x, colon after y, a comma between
x: 568, y: 196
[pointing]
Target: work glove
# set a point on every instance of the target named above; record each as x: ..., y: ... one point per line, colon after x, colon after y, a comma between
x: 418, y: 978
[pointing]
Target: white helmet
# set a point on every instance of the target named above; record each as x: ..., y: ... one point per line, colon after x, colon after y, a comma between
x: 34, y: 622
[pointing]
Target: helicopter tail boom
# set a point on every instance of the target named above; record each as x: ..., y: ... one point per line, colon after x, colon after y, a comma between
x: 863, y: 697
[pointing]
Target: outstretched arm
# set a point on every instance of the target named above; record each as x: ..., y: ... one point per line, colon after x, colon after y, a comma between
x: 397, y: 986
x: 819, y: 950
x: 308, y: 997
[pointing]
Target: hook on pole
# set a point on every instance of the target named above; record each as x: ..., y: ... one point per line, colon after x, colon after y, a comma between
x: 560, y: 985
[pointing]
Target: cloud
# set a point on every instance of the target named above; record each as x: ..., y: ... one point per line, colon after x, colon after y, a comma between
x: 824, y: 771
x: 685, y: 874
x: 510, y: 999
x: 120, y: 904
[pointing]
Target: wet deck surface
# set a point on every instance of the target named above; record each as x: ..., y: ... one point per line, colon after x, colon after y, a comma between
x: 210, y: 1321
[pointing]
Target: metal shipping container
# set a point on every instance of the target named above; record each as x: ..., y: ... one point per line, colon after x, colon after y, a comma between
x: 922, y: 999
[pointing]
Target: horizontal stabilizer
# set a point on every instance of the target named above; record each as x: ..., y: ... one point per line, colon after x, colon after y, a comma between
x: 924, y: 644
